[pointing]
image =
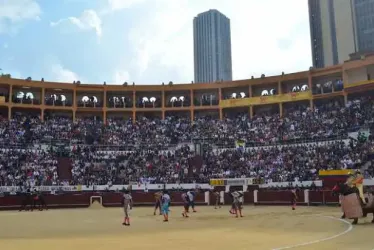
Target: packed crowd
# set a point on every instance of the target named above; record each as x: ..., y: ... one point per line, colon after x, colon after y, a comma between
x: 268, y: 164
x: 288, y: 163
x: 299, y: 123
x: 152, y: 156
x: 30, y: 167
x: 93, y: 167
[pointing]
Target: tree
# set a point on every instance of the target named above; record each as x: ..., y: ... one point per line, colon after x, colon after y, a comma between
x: 4, y: 75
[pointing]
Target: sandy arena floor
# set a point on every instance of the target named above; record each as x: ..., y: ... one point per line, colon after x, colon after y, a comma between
x: 267, y: 228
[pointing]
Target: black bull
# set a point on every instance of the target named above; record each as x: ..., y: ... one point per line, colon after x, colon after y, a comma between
x: 31, y: 201
x: 344, y: 189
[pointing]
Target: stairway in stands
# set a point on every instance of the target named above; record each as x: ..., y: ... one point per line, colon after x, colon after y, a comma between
x: 64, y: 166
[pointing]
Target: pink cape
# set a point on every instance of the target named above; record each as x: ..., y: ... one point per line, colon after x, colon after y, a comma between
x: 351, y: 206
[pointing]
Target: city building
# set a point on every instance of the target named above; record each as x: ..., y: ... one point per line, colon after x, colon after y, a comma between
x: 339, y: 28
x: 212, y: 47
x: 364, y: 24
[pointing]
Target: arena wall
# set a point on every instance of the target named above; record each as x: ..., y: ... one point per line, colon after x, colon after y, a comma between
x: 113, y: 199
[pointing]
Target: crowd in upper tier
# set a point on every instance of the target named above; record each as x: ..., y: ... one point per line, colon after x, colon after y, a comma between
x: 157, y: 155
x: 299, y: 123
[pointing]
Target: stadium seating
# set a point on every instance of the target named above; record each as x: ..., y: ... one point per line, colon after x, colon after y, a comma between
x: 290, y: 148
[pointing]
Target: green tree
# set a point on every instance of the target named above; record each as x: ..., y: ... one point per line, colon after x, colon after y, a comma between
x: 4, y: 75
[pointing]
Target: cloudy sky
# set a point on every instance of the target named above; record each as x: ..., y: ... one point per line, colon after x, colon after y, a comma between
x: 145, y: 41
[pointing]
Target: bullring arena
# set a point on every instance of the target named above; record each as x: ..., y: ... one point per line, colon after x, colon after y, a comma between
x: 69, y: 135
x: 96, y: 226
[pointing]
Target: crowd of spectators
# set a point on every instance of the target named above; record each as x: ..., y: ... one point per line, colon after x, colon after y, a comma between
x: 332, y: 120
x: 288, y: 163
x: 95, y: 167
x: 30, y: 167
x: 150, y: 150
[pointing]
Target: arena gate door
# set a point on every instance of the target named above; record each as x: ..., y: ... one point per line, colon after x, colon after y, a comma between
x: 64, y: 168
x: 194, y: 165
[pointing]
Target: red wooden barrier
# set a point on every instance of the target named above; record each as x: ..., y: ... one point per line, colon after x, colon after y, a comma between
x: 82, y: 199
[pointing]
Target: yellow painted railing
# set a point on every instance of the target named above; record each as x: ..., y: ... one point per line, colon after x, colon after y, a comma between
x: 261, y: 100
x: 335, y: 172
x: 356, y: 84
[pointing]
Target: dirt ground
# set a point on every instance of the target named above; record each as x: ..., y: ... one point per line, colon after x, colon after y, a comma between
x: 270, y: 228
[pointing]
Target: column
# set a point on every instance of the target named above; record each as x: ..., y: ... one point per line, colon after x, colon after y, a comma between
x: 9, y: 112
x: 250, y: 91
x: 280, y: 91
x: 219, y: 101
x: 43, y: 97
x: 310, y: 80
x: 192, y: 98
x: 10, y: 102
x: 104, y: 105
x: 134, y: 106
x: 281, y: 109
x: 75, y: 101
x: 163, y: 99
x: 75, y: 104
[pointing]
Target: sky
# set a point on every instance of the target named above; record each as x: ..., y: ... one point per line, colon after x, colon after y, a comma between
x: 146, y: 41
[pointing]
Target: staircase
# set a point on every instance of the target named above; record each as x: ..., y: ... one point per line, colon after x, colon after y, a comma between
x: 64, y: 166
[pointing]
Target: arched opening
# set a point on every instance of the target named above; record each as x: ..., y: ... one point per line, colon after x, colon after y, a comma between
x: 144, y: 101
x: 304, y: 87
x: 153, y: 100
x: 63, y: 98
x: 30, y: 96
x: 296, y: 89
x: 85, y: 99
x: 20, y: 95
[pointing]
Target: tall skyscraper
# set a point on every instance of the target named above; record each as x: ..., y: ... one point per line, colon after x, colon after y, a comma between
x: 212, y: 47
x: 364, y: 24
x: 339, y: 28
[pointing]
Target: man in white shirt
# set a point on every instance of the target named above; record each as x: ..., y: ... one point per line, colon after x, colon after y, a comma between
x: 191, y: 196
x: 237, y: 203
x: 127, y: 205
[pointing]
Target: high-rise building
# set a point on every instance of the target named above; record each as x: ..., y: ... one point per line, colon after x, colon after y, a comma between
x: 212, y: 47
x: 339, y: 28
x: 364, y: 24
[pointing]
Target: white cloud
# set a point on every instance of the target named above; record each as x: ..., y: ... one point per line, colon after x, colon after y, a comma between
x: 121, y: 76
x: 13, y: 12
x: 61, y: 74
x: 117, y: 5
x: 122, y: 4
x: 89, y: 20
x: 268, y: 36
